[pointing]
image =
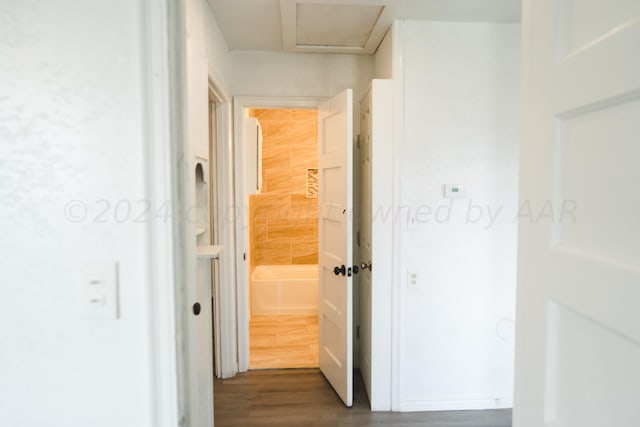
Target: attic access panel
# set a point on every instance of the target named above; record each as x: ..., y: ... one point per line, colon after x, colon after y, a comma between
x: 325, y: 26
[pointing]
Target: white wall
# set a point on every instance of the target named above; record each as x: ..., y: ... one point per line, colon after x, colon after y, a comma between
x: 71, y: 130
x: 460, y: 91
x: 299, y: 74
x: 207, y: 54
x: 383, y: 58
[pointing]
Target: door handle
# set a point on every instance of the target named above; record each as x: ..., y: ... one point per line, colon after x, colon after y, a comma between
x: 340, y: 270
x: 365, y: 266
x: 356, y: 269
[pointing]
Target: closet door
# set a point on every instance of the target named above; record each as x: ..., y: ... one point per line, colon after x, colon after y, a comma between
x: 376, y: 242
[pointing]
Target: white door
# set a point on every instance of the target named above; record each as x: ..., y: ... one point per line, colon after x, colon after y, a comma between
x: 376, y: 242
x: 335, y: 311
x: 578, y: 333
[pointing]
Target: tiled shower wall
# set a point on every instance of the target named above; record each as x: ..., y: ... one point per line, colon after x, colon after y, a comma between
x: 284, y: 222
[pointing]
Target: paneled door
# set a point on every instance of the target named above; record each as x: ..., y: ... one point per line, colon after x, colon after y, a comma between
x: 335, y: 311
x: 578, y: 332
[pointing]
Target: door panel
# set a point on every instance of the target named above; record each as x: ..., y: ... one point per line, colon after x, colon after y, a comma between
x: 366, y: 317
x: 335, y: 128
x: 376, y: 243
x: 578, y: 336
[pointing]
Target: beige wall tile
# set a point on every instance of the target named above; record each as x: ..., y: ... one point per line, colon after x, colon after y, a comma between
x: 304, y: 252
x: 273, y: 257
x: 301, y: 207
x: 305, y: 230
x: 270, y: 114
x: 279, y: 181
x: 307, y: 115
x: 259, y: 229
x: 283, y: 221
x: 275, y: 245
x: 280, y: 229
x: 271, y: 205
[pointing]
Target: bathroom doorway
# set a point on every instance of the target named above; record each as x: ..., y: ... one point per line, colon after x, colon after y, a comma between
x: 337, y: 289
x: 282, y: 267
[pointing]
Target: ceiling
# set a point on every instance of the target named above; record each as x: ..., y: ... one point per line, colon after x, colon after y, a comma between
x: 353, y: 26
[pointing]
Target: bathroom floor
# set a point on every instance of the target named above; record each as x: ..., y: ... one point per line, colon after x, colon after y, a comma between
x: 283, y: 341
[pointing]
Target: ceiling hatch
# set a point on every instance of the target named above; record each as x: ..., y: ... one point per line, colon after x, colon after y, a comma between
x: 351, y: 26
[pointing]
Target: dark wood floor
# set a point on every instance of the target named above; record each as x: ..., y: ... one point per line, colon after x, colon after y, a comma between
x: 303, y: 398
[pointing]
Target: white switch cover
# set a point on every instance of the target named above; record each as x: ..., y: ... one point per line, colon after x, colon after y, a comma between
x: 98, y: 295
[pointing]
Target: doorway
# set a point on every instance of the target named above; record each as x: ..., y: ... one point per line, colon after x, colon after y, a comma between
x: 282, y: 200
x: 272, y: 205
x: 214, y: 232
x: 335, y: 272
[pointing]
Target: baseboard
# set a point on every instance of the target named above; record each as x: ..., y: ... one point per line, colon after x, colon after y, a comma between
x: 453, y: 403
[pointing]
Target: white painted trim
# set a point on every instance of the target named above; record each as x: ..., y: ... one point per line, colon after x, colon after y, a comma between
x: 454, y: 403
x: 224, y: 344
x: 224, y: 311
x: 163, y: 33
x: 381, y: 243
x: 398, y: 142
x: 216, y: 86
x: 288, y: 19
x: 240, y: 103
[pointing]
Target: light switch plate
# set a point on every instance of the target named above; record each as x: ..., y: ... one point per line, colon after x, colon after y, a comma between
x: 98, y: 294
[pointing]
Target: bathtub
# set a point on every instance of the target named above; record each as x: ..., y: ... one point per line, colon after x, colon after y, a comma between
x: 284, y: 289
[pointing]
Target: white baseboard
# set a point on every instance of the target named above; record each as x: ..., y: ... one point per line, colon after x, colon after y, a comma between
x: 453, y: 403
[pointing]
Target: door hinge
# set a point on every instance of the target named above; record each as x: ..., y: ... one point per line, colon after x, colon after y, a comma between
x: 244, y: 256
x: 358, y: 141
x: 358, y: 237
x: 358, y: 331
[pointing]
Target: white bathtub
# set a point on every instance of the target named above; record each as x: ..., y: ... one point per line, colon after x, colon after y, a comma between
x: 284, y: 289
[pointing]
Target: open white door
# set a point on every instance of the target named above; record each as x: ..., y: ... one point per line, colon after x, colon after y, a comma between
x: 578, y: 334
x: 376, y: 159
x: 335, y: 129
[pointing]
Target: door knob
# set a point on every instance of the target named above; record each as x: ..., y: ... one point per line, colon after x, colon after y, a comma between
x: 365, y: 266
x: 340, y: 270
x: 355, y: 269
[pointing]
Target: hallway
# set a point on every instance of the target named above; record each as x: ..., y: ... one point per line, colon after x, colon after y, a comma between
x: 302, y: 397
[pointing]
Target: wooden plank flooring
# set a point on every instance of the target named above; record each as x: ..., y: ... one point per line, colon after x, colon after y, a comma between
x: 283, y: 341
x: 303, y: 398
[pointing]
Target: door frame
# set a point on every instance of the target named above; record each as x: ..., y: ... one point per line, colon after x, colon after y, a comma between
x: 396, y: 204
x: 223, y: 343
x: 241, y: 308
x: 164, y: 36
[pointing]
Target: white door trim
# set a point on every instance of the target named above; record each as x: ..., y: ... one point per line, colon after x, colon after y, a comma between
x: 240, y: 103
x: 164, y: 134
x: 396, y: 197
x: 225, y: 342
